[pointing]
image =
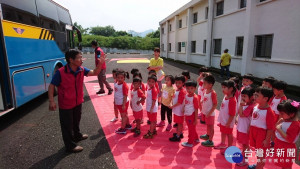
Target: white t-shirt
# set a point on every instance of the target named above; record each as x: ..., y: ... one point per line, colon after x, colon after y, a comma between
x: 135, y: 97
x: 151, y: 95
x: 263, y: 118
x: 190, y: 104
x: 244, y: 122
x: 208, y: 102
x: 179, y: 95
x: 120, y: 91
x: 227, y: 109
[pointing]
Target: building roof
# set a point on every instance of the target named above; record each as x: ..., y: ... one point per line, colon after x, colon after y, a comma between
x: 180, y: 10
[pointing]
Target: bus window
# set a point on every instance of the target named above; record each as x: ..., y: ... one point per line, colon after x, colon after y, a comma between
x: 20, y: 11
x: 70, y: 39
x: 47, y: 14
x: 64, y: 16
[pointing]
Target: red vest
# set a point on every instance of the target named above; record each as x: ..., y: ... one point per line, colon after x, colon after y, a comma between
x: 70, y: 90
x: 96, y: 57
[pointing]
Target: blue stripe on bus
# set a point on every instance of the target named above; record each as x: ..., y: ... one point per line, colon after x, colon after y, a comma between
x: 24, y: 54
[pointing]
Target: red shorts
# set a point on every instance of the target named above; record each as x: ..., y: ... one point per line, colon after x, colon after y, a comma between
x: 225, y: 130
x: 242, y: 138
x: 285, y: 146
x: 209, y: 120
x: 138, y: 115
x: 119, y: 107
x: 178, y: 119
x: 257, y: 136
x: 152, y: 116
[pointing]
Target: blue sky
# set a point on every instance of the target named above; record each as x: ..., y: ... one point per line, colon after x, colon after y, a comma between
x: 137, y: 15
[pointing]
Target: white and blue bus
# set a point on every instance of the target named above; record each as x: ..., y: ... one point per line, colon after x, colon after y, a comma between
x: 34, y: 34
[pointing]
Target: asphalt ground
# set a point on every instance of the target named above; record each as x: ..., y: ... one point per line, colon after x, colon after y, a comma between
x: 30, y: 136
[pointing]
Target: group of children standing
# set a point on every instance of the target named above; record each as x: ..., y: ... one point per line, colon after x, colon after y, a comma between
x: 263, y: 115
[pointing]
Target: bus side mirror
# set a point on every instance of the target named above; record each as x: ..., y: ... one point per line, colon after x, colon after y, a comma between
x: 79, y: 46
x: 78, y: 33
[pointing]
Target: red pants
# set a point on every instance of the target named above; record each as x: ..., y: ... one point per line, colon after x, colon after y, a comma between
x: 285, y: 146
x: 192, y: 128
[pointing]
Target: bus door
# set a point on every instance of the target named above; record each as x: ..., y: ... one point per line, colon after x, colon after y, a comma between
x: 5, y: 89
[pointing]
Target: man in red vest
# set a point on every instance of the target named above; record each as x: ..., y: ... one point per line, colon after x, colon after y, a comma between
x: 69, y: 82
x: 101, y: 76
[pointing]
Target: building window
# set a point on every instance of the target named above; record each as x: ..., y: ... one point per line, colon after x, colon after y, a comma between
x: 206, y: 13
x: 195, y: 18
x: 179, y: 46
x: 263, y: 46
x: 262, y: 0
x: 243, y: 4
x: 170, y: 47
x: 239, y: 46
x: 204, y: 46
x: 217, y: 46
x: 180, y: 23
x: 193, y: 47
x: 163, y: 30
x: 220, y: 8
x: 170, y: 27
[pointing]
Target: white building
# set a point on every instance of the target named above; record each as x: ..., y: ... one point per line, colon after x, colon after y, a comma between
x: 263, y: 36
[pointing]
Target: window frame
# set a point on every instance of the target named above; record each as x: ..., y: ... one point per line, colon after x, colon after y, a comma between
x: 180, y: 23
x: 219, y: 52
x: 218, y: 10
x: 195, y: 19
x: 237, y: 50
x: 265, y: 45
x: 243, y: 4
x: 170, y: 47
x: 193, y: 46
x: 204, y: 46
x: 206, y: 12
x: 179, y: 46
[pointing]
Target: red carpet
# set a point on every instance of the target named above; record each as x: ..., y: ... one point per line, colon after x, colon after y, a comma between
x: 130, y: 152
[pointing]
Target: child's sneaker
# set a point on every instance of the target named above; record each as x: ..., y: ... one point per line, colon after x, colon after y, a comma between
x: 169, y: 127
x: 137, y: 132
x: 175, y: 125
x: 175, y: 138
x: 160, y: 124
x: 204, y: 137
x: 220, y: 146
x: 133, y: 130
x: 128, y: 126
x: 154, y: 132
x: 134, y: 121
x: 121, y: 131
x: 252, y: 166
x: 181, y: 135
x: 186, y: 144
x: 197, y: 140
x: 241, y: 164
x: 208, y: 143
x: 148, y: 135
x: 114, y: 119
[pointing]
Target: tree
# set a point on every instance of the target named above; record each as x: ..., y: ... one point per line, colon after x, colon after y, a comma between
x: 122, y: 33
x: 103, y: 31
x: 83, y: 31
x: 155, y: 34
